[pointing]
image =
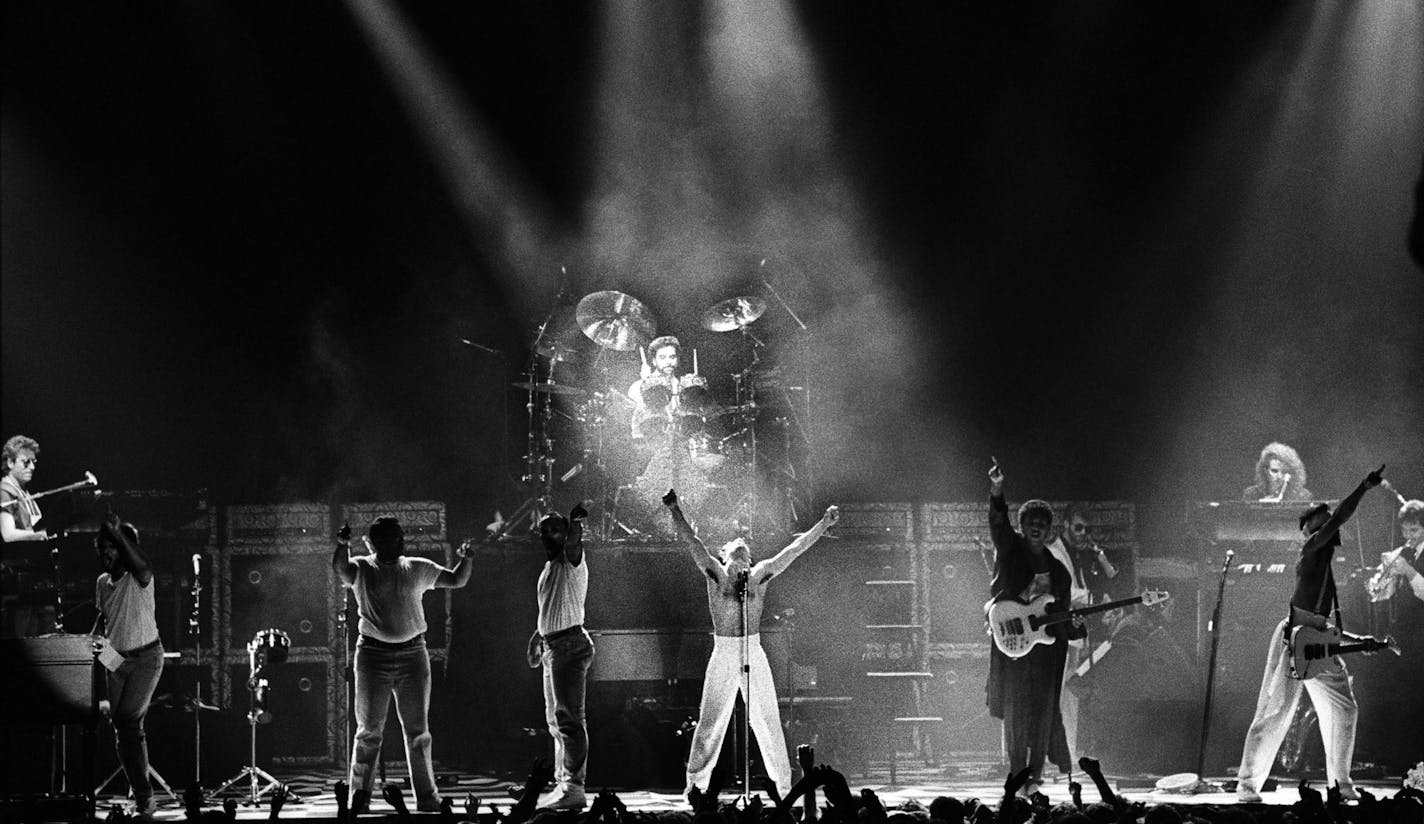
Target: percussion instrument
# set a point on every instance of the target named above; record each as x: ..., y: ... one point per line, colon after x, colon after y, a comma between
x: 273, y: 644
x: 733, y: 314
x: 615, y: 320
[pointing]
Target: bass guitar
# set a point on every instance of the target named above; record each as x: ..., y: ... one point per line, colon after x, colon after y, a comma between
x: 1311, y: 649
x: 1018, y: 626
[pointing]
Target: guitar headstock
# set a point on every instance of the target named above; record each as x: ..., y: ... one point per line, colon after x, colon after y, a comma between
x: 90, y: 480
x: 1386, y: 642
x: 1155, y: 596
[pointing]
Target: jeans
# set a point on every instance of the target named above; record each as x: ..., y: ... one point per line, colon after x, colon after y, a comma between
x: 131, y: 687
x: 382, y: 672
x: 566, y: 663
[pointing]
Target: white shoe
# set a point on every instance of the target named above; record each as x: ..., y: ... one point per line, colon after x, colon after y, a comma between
x: 1246, y: 795
x: 564, y: 797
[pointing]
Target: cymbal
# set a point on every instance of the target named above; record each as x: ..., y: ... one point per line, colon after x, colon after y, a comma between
x: 733, y: 313
x: 549, y: 388
x: 615, y: 320
x: 557, y: 350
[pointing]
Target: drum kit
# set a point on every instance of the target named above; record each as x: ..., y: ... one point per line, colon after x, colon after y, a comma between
x: 634, y: 443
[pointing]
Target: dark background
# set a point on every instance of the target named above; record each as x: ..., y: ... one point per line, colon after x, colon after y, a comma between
x: 1119, y: 246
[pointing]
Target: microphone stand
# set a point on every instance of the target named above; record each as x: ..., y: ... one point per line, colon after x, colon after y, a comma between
x: 193, y: 618
x: 746, y: 753
x: 1211, y: 668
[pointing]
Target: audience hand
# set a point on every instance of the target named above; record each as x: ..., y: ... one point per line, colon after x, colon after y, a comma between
x: 230, y: 807
x: 1016, y: 781
x: 280, y: 793
x: 393, y: 797
x: 578, y: 513
x: 670, y: 499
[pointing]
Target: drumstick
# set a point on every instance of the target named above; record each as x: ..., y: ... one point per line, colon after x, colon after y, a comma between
x: 694, y: 361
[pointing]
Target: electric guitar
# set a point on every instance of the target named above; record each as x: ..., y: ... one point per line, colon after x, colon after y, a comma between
x: 1017, y: 626
x: 1311, y: 649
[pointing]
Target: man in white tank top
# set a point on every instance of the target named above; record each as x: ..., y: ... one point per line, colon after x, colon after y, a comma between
x: 124, y: 595
x: 562, y: 646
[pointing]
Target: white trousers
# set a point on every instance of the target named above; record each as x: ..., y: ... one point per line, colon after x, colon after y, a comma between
x: 1068, y: 700
x: 1334, y: 703
x: 722, y: 683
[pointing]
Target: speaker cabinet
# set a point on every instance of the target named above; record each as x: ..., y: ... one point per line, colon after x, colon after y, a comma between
x: 287, y: 586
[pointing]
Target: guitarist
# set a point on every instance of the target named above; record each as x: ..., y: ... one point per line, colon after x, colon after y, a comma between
x: 1024, y: 692
x: 1329, y: 689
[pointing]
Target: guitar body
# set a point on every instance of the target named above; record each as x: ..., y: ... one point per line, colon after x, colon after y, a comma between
x: 1312, y: 651
x: 1015, y: 625
x: 1018, y: 627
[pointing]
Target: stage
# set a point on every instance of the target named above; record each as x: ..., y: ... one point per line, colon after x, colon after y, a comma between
x: 917, y: 783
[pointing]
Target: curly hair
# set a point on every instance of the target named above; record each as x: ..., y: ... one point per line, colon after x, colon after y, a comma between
x: 1290, y: 463
x: 664, y: 341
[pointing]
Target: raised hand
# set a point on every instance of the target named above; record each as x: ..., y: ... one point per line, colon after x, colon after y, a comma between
x: 280, y: 794
x: 996, y: 475
x: 230, y: 807
x: 393, y: 797
x: 832, y: 516
x: 1016, y: 781
x: 343, y: 535
x: 670, y: 499
x: 1091, y: 766
x: 1375, y: 478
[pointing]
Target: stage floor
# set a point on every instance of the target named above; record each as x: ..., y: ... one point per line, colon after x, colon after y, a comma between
x: 915, y: 783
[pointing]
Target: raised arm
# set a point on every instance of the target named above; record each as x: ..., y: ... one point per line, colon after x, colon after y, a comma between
x: 1343, y: 512
x: 999, y: 527
x: 460, y: 575
x: 573, y: 547
x: 133, y: 558
x: 700, y: 556
x: 341, y: 557
x: 777, y: 564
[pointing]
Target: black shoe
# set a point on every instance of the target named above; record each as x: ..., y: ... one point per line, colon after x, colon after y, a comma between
x: 360, y: 802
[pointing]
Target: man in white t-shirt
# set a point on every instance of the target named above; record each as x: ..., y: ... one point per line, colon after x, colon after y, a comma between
x: 391, y: 659
x: 562, y: 646
x: 124, y: 595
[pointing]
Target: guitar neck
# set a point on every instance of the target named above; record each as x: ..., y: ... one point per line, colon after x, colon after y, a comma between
x: 1056, y: 617
x: 1343, y: 649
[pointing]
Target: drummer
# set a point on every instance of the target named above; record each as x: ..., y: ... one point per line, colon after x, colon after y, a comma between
x: 660, y: 393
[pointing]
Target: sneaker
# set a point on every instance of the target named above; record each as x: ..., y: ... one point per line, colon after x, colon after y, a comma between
x: 428, y: 806
x: 1349, y: 793
x: 1246, y: 795
x: 564, y: 798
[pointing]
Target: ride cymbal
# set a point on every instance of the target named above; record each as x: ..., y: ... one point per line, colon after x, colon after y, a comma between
x: 733, y: 313
x: 615, y: 320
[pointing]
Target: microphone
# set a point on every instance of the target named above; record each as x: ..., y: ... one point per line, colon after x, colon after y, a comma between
x: 1384, y: 482
x: 742, y: 581
x: 197, y: 564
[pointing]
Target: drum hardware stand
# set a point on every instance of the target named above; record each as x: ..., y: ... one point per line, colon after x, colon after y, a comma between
x: 539, y: 445
x: 257, y: 689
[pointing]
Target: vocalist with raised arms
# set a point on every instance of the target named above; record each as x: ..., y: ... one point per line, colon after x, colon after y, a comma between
x: 731, y: 578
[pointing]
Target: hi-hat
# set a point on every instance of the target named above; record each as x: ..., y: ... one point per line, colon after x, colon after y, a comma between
x: 549, y: 388
x: 733, y: 313
x: 615, y: 320
x: 557, y: 350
